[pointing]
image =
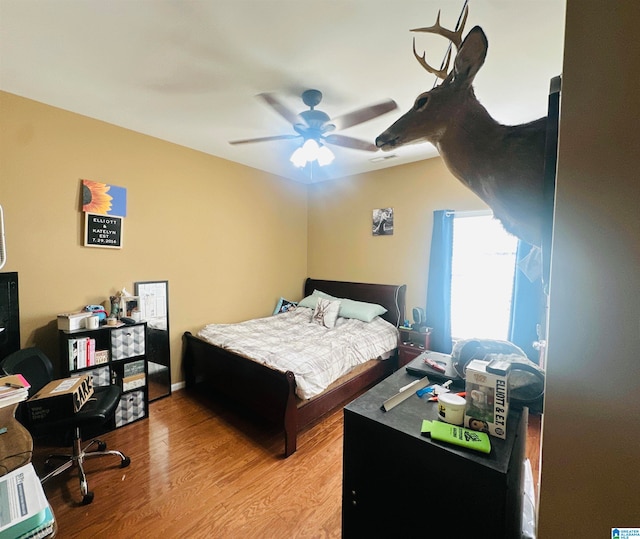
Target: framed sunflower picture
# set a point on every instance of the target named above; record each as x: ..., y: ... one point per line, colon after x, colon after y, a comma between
x: 105, y: 207
x: 104, y: 199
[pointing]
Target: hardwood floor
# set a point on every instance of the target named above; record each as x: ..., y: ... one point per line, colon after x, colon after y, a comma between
x: 199, y: 471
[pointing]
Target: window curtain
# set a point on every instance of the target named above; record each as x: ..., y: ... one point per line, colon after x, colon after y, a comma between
x: 438, y: 311
x: 527, y: 305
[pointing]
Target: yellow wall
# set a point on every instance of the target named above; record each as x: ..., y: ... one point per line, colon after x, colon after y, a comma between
x: 341, y: 243
x: 591, y: 434
x: 229, y: 239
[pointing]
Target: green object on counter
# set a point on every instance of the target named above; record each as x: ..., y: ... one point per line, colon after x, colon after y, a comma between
x: 453, y: 434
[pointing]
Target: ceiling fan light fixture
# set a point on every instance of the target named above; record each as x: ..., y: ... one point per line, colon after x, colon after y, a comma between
x: 312, y: 151
x: 298, y: 158
x: 325, y: 156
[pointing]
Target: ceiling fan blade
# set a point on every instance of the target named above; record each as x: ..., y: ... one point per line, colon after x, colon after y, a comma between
x: 280, y: 108
x: 350, y: 142
x: 264, y: 139
x: 362, y: 115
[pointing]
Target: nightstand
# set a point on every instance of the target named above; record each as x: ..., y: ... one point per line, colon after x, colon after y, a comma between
x: 411, y: 344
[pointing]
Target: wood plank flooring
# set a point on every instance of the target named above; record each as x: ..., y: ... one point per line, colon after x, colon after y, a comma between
x: 199, y: 471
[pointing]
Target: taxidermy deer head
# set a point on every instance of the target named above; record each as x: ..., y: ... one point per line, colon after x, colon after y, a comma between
x: 503, y: 165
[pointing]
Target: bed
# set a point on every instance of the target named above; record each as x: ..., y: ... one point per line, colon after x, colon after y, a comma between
x: 271, y: 394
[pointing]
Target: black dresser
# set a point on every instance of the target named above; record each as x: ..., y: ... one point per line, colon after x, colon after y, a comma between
x: 397, y: 483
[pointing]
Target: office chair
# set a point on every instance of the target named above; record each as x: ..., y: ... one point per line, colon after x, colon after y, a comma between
x: 36, y: 367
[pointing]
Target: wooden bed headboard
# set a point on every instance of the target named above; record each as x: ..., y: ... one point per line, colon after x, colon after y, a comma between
x: 391, y: 297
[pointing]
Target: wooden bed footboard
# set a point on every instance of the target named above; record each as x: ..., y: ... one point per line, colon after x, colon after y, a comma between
x: 267, y: 392
x: 271, y: 394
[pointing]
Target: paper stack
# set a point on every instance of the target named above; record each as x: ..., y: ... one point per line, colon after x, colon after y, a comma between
x: 13, y: 389
x: 24, y: 510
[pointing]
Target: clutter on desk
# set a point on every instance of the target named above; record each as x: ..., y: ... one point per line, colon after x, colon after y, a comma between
x: 453, y: 434
x: 404, y: 393
x: 13, y: 389
x: 451, y: 408
x: 96, y: 310
x: 72, y: 321
x: 124, y: 305
x: 434, y: 364
x: 487, y: 402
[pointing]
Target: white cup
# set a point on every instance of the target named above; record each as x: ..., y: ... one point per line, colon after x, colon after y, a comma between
x: 451, y: 408
x: 92, y: 322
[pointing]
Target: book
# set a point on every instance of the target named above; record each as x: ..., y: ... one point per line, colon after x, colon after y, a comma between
x: 42, y: 530
x: 91, y: 352
x: 82, y: 352
x: 23, y: 505
x: 73, y: 354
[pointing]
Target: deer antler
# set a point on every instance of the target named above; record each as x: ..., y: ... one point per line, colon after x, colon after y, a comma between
x: 454, y: 37
x: 440, y: 73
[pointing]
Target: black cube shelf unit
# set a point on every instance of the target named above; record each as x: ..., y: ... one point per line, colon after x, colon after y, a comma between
x: 120, y: 358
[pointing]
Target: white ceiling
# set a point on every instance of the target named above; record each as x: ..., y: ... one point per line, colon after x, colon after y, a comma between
x: 188, y: 71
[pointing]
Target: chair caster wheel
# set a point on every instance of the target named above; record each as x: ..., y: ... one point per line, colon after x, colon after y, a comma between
x: 125, y: 462
x: 102, y: 446
x: 87, y: 498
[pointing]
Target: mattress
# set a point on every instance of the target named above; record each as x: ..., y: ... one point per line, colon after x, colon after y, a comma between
x: 316, y: 355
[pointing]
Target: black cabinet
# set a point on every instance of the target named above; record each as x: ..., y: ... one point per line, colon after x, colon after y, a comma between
x: 397, y: 483
x: 120, y: 358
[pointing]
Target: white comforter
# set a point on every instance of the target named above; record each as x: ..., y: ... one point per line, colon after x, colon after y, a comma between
x: 290, y: 341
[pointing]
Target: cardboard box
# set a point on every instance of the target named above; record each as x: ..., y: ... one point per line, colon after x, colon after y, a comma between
x: 72, y: 321
x: 487, y: 400
x: 60, y: 398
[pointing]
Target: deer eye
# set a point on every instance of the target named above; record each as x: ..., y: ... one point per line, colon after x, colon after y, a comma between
x: 421, y: 102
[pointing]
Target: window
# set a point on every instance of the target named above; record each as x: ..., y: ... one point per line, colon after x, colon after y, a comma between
x: 483, y: 265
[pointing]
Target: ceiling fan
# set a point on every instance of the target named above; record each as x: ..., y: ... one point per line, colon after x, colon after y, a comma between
x: 315, y: 128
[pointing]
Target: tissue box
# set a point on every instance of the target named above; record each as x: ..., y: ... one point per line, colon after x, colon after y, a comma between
x: 487, y: 400
x: 72, y: 321
x: 60, y: 398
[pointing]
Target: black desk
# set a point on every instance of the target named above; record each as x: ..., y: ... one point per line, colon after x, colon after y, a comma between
x: 397, y: 482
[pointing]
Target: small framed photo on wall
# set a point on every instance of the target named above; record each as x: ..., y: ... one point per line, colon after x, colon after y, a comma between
x: 382, y: 224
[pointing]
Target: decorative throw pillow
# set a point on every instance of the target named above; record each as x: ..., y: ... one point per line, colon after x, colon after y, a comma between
x: 284, y: 305
x: 326, y: 312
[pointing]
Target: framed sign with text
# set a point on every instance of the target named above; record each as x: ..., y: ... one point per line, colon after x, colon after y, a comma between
x: 103, y: 231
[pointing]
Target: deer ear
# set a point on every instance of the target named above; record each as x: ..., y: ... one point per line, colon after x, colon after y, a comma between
x: 471, y: 56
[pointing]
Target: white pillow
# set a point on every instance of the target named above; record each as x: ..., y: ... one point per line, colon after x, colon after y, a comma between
x: 326, y: 312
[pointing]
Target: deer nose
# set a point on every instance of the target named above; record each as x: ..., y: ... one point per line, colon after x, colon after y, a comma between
x: 385, y: 141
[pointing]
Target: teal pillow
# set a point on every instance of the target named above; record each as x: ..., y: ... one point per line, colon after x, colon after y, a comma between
x: 360, y: 310
x: 311, y: 301
x: 349, y: 308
